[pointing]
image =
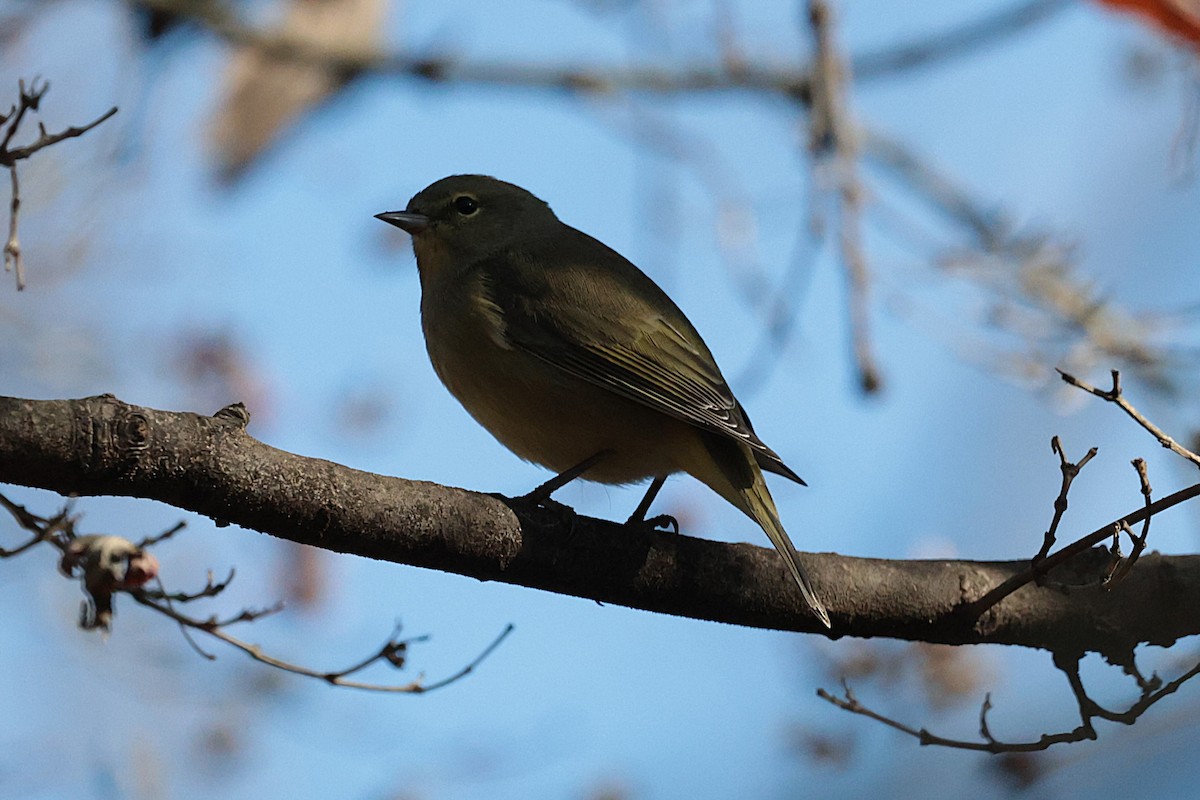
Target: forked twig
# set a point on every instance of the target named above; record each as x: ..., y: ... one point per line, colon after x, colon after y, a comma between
x: 29, y: 99
x: 1115, y: 396
x: 108, y: 565
x: 1069, y: 472
x: 1046, y: 563
x: 975, y: 608
x: 1151, y: 692
x: 392, y: 651
x: 1121, y: 566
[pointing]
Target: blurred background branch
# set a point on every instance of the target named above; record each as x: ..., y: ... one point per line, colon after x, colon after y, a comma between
x: 1012, y: 184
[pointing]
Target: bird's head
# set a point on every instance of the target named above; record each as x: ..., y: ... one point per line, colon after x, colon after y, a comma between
x: 464, y: 218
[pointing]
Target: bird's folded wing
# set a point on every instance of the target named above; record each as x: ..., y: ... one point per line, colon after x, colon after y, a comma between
x: 628, y: 337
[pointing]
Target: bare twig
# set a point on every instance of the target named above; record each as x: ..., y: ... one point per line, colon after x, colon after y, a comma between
x: 24, y: 517
x: 1069, y: 472
x: 211, y: 588
x: 782, y: 309
x: 29, y: 99
x: 993, y: 596
x: 1151, y: 693
x: 1121, y: 566
x: 12, y: 246
x: 45, y: 139
x: 27, y: 520
x: 167, y: 534
x: 1043, y: 563
x: 245, y: 615
x: 29, y: 102
x: 390, y: 651
x: 1115, y: 396
x: 394, y: 651
x: 1130, y: 667
x: 54, y: 529
x: 986, y: 225
x: 109, y: 565
x: 985, y: 732
x: 170, y: 598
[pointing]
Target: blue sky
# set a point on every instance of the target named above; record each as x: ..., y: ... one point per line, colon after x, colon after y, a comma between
x: 131, y: 248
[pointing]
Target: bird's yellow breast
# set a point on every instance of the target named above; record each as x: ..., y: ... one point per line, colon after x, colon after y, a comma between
x: 535, y: 409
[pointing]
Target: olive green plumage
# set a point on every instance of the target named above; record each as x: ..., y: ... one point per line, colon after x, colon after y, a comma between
x: 563, y: 349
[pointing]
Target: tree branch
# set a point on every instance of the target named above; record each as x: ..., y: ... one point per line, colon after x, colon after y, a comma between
x: 1152, y: 691
x: 28, y: 100
x: 833, y: 144
x: 1115, y: 395
x: 210, y: 465
x: 222, y: 20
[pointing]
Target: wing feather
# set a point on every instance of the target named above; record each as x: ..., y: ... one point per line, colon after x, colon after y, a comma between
x: 612, y: 326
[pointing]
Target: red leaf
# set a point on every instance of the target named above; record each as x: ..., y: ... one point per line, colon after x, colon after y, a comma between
x: 1178, y: 18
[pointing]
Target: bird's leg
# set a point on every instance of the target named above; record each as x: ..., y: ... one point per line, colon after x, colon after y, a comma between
x: 541, y: 494
x: 638, y: 517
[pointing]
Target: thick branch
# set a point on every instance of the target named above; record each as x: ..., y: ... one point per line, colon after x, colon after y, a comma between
x: 210, y: 465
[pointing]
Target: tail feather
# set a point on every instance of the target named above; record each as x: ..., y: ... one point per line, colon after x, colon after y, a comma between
x: 762, y: 508
x: 729, y: 468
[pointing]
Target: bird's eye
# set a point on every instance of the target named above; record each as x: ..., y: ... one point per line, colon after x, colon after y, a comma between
x: 466, y: 205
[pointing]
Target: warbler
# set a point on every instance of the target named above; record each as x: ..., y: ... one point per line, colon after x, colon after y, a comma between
x: 574, y: 359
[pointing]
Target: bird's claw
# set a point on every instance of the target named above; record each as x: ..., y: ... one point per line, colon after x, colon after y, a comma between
x: 564, y: 513
x: 663, y: 522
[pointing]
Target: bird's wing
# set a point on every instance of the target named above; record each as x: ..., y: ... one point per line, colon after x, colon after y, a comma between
x: 614, y: 327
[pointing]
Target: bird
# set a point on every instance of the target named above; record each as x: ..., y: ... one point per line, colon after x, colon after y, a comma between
x: 576, y: 360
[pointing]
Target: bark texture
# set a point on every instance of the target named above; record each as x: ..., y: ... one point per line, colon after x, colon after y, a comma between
x: 210, y: 465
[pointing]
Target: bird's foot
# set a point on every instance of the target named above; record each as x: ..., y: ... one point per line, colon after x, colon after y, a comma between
x: 662, y: 522
x: 561, y: 513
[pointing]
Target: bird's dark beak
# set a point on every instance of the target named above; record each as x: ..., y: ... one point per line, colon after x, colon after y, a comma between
x: 405, y: 220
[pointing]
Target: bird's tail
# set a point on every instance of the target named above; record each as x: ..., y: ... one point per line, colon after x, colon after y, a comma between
x: 729, y: 469
x: 757, y: 502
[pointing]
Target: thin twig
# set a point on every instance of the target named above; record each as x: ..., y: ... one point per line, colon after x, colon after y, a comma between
x: 1040, y: 567
x: 169, y: 599
x: 12, y: 246
x: 210, y: 589
x: 167, y: 534
x: 1122, y: 566
x: 1069, y: 473
x: 975, y: 608
x: 104, y: 575
x: 988, y: 226
x: 469, y: 668
x: 27, y: 520
x: 393, y: 651
x: 54, y: 529
x: 1114, y: 395
x: 985, y: 732
x: 1151, y: 684
x: 24, y: 517
x: 215, y: 629
x: 44, y: 140
x: 1088, y: 710
x: 28, y: 101
x: 245, y: 615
